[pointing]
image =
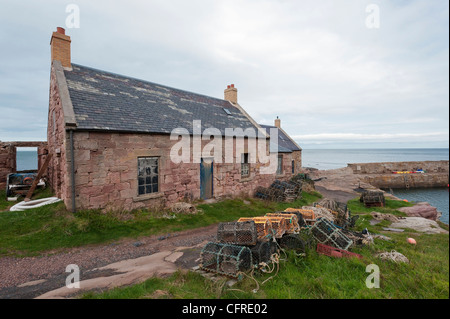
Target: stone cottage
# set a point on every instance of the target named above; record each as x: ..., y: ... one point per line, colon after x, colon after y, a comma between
x: 115, y: 141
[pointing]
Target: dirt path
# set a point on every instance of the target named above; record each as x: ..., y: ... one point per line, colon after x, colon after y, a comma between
x: 31, y: 277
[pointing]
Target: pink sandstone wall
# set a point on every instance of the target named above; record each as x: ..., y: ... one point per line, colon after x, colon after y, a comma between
x: 58, y: 144
x: 106, y: 172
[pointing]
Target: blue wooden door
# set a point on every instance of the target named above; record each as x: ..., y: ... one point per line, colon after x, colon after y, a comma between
x: 206, y: 178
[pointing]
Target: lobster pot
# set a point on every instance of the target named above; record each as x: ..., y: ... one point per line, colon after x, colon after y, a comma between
x: 263, y: 227
x: 262, y: 192
x: 373, y: 198
x: 300, y: 220
x: 294, y: 242
x: 278, y: 225
x: 226, y: 259
x: 308, y: 214
x: 261, y: 252
x: 239, y: 233
x: 292, y: 225
x: 327, y: 233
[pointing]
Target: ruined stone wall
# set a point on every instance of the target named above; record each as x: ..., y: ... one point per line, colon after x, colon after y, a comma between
x: 7, y: 162
x: 8, y: 157
x: 106, y: 172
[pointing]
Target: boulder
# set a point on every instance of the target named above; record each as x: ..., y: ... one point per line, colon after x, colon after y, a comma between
x: 380, y: 216
x: 422, y: 209
x: 183, y: 208
x: 419, y: 224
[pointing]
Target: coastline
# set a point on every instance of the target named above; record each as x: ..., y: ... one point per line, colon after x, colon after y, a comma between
x: 342, y: 184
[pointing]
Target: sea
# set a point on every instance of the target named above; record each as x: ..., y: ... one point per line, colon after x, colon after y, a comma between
x: 336, y: 158
x: 324, y: 159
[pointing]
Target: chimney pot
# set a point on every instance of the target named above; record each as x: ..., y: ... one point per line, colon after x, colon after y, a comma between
x: 232, y: 85
x: 60, y: 30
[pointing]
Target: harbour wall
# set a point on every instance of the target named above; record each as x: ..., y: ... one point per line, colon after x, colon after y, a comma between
x: 436, y: 174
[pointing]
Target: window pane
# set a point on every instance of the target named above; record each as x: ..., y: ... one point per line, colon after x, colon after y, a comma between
x: 147, y: 175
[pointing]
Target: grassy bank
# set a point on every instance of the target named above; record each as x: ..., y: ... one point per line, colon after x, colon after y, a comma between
x: 51, y: 227
x: 312, y: 276
x: 315, y: 276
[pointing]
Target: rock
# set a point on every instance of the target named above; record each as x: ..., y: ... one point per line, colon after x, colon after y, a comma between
x: 183, y: 208
x: 420, y: 224
x: 380, y: 216
x: 423, y: 209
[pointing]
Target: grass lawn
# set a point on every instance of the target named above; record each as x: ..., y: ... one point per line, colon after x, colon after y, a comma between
x: 52, y: 226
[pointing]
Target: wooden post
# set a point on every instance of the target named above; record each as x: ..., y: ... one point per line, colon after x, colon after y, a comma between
x: 38, y: 177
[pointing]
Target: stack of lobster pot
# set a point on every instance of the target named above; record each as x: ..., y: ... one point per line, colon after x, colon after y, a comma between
x: 238, y: 249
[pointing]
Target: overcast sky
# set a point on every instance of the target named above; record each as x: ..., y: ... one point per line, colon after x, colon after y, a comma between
x: 339, y: 74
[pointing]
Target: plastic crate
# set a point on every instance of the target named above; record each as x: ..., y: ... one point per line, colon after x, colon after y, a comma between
x: 335, y: 252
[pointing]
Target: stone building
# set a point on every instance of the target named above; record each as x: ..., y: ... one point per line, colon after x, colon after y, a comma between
x: 115, y: 141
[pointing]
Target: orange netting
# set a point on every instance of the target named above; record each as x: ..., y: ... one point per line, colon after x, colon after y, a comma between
x: 307, y: 214
x: 292, y: 225
x: 263, y: 226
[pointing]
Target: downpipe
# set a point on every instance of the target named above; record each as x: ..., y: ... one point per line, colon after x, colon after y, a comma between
x: 72, y: 168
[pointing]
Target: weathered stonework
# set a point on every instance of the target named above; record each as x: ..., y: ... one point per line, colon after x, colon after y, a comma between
x: 106, y: 172
x: 8, y: 155
x: 57, y: 139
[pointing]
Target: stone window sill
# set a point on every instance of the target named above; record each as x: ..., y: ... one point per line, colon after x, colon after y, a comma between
x: 246, y: 179
x: 141, y: 198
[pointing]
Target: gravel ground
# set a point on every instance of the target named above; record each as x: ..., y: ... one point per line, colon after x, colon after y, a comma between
x: 51, y: 267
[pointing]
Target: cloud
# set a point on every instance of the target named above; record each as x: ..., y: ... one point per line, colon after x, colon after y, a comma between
x: 314, y: 64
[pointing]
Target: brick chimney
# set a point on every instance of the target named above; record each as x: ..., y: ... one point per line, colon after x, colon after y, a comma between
x: 278, y: 122
x: 60, y: 47
x: 231, y: 93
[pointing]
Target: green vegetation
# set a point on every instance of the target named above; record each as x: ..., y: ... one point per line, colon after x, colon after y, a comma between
x: 312, y: 276
x: 315, y: 276
x: 53, y: 227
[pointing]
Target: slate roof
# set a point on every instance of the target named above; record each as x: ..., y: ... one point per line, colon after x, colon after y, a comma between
x: 107, y: 101
x: 285, y: 144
